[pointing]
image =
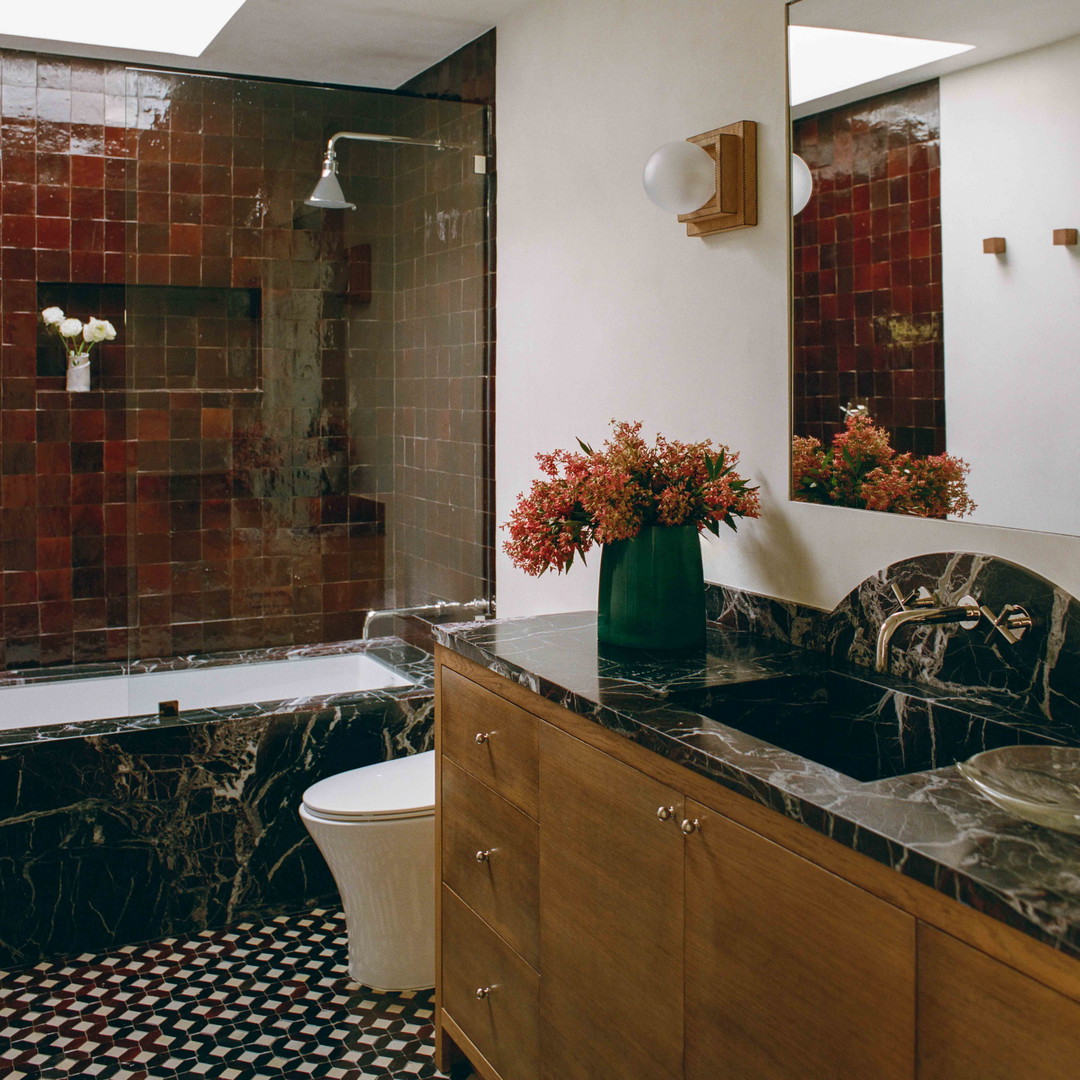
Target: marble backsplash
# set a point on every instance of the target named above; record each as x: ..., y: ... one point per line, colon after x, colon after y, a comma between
x: 1037, y: 677
x: 117, y: 832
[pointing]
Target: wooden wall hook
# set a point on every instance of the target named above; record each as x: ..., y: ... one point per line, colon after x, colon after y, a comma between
x: 994, y: 245
x: 1065, y: 237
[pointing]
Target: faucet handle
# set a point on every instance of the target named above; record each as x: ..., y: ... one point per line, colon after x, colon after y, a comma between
x: 1013, y: 622
x: 922, y: 597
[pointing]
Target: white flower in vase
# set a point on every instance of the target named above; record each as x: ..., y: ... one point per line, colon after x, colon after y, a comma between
x: 78, y: 340
x: 70, y: 328
x: 98, y: 330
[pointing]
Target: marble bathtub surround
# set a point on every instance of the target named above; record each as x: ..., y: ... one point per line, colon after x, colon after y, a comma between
x: 404, y: 659
x: 919, y: 818
x: 119, y: 831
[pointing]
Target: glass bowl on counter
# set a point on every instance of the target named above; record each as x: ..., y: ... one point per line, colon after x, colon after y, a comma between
x: 1037, y: 783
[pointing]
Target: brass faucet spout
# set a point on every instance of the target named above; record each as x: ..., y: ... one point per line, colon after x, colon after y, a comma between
x: 967, y: 613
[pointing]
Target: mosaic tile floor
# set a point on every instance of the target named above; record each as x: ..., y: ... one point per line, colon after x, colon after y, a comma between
x: 252, y: 1002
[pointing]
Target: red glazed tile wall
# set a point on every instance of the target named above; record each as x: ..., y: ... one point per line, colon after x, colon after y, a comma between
x: 443, y: 532
x: 867, y: 270
x: 217, y: 487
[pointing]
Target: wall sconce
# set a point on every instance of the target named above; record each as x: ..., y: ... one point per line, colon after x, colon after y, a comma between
x: 709, y: 180
x: 802, y: 184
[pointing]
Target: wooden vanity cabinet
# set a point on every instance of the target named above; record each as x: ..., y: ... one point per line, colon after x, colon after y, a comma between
x: 790, y: 970
x: 487, y: 781
x: 679, y: 941
x: 611, y: 917
x: 980, y: 1019
x: 661, y: 927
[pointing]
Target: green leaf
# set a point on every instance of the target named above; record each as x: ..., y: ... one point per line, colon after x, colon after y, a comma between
x: 586, y: 447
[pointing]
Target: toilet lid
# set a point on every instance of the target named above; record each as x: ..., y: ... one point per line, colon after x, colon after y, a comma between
x: 404, y: 787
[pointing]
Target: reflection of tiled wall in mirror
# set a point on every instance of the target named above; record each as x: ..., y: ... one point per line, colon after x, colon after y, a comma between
x: 867, y: 269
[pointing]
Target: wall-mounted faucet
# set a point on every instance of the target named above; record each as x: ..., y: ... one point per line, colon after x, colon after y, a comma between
x: 924, y: 609
x: 1013, y: 622
x: 439, y: 607
x: 922, y: 606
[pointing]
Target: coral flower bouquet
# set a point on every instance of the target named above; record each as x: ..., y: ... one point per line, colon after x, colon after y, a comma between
x: 862, y: 470
x: 78, y: 339
x: 645, y: 504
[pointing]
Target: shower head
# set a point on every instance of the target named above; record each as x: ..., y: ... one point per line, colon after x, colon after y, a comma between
x: 328, y: 194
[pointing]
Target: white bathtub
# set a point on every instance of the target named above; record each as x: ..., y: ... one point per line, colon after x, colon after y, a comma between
x: 41, y: 701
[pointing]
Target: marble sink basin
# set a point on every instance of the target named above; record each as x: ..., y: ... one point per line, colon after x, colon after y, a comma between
x: 861, y: 728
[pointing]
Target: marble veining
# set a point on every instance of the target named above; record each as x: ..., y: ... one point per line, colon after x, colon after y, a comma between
x: 115, y: 832
x: 1038, y: 678
x: 407, y: 660
x: 928, y: 824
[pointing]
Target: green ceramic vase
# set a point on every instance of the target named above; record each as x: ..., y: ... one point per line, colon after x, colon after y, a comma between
x: 652, y: 590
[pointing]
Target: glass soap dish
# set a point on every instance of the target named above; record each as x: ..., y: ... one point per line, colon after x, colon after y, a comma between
x: 1038, y: 783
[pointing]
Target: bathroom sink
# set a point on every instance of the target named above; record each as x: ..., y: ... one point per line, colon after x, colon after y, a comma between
x: 865, y: 730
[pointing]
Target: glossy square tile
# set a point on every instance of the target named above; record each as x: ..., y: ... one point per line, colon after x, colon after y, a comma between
x: 874, y: 218
x: 168, y: 203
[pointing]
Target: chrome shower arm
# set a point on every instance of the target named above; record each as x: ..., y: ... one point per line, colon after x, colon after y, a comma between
x: 403, y: 140
x: 328, y: 194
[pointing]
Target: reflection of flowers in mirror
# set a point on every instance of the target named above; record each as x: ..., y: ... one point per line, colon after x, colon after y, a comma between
x: 76, y: 337
x: 862, y: 470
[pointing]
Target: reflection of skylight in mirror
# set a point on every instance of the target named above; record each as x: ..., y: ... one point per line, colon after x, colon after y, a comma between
x: 823, y: 62
x: 184, y: 29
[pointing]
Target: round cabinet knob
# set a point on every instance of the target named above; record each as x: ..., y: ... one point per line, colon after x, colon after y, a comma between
x: 689, y: 826
x: 481, y: 737
x: 665, y: 813
x: 483, y: 856
x: 483, y: 992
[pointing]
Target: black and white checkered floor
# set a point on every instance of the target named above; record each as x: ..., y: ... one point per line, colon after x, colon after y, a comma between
x: 253, y: 1002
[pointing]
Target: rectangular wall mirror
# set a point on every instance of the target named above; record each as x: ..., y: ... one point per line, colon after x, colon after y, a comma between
x: 936, y: 277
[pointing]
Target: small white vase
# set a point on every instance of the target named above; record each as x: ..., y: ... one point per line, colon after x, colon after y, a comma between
x: 78, y: 374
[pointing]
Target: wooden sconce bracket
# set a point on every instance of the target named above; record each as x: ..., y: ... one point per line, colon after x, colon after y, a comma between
x: 734, y: 206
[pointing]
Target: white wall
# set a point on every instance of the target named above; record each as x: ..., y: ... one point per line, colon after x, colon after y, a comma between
x: 607, y: 309
x: 1010, y: 150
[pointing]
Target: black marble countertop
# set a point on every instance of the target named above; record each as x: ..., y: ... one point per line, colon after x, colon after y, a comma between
x: 929, y: 825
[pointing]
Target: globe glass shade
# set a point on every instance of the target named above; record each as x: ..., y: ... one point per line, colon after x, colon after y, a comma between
x: 802, y: 184
x: 680, y: 177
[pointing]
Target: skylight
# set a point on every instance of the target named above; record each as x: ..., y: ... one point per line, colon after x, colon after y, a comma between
x: 823, y: 62
x: 183, y: 29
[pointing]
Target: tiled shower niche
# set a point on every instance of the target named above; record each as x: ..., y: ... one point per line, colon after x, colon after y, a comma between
x: 169, y: 337
x: 290, y: 427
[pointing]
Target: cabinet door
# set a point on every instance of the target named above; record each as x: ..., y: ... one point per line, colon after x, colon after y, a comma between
x: 611, y: 926
x: 790, y: 971
x: 981, y: 1020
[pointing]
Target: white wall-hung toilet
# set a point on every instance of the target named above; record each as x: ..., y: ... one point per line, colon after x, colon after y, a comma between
x: 375, y: 826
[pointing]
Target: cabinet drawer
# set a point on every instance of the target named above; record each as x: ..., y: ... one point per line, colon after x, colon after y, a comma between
x: 490, y: 858
x: 490, y: 738
x: 489, y: 992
